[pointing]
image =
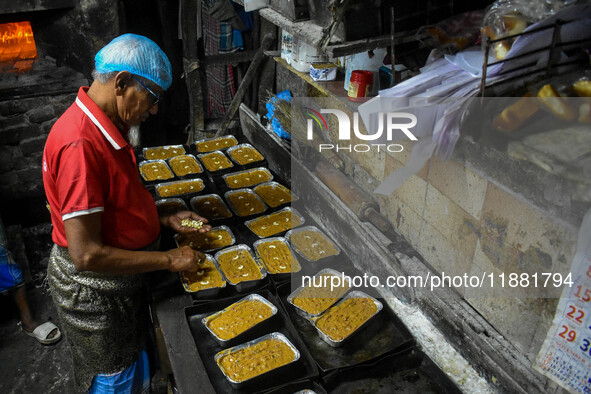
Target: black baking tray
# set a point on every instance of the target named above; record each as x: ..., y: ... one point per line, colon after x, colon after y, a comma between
x: 304, y: 368
x: 384, y: 334
x: 404, y: 373
x: 295, y: 387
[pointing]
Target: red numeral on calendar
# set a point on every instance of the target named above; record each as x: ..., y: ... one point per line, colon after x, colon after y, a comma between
x: 569, y: 335
x: 585, y: 295
x: 576, y: 314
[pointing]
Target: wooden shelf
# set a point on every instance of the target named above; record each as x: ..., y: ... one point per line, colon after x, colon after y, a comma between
x: 312, y: 34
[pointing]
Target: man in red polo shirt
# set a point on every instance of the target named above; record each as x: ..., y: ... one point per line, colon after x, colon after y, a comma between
x: 105, y: 223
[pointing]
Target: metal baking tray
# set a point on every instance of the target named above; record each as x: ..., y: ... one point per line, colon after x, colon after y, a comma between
x: 274, y: 335
x: 219, y: 170
x: 290, y: 233
x: 190, y: 174
x: 215, y: 138
x: 248, y: 331
x: 233, y: 148
x: 245, y: 285
x: 218, y: 198
x: 280, y: 275
x: 223, y: 228
x: 293, y: 211
x: 180, y: 147
x: 228, y: 194
x: 274, y: 184
x: 225, y: 177
x: 205, y: 293
x: 178, y: 204
x: 297, y: 291
x: 161, y: 162
x: 159, y: 185
x: 352, y: 294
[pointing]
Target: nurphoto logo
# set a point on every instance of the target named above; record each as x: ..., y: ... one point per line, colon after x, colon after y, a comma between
x: 390, y: 123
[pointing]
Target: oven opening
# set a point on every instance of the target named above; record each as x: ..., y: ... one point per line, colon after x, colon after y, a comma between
x: 17, y: 47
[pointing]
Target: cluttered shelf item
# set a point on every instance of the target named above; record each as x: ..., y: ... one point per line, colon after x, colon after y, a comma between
x: 163, y: 152
x: 239, y: 317
x: 185, y: 165
x: 248, y: 178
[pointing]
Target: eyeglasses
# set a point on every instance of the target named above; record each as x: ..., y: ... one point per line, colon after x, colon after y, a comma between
x: 155, y: 97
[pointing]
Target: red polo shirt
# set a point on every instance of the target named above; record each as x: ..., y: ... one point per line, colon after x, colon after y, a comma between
x: 88, y: 167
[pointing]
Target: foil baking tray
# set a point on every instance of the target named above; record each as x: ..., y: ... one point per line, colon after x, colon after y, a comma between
x: 233, y: 148
x: 230, y: 184
x: 192, y: 191
x: 224, y: 215
x: 205, y: 293
x: 352, y: 294
x: 293, y: 211
x: 274, y: 335
x: 168, y: 206
x: 296, y: 267
x: 219, y: 170
x: 277, y: 185
x: 297, y: 291
x: 290, y: 234
x: 248, y: 331
x: 144, y: 163
x: 245, y: 285
x: 190, y: 174
x: 233, y: 139
x: 180, y: 150
x: 231, y: 193
x: 218, y: 228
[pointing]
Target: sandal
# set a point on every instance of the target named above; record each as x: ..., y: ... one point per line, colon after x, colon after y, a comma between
x: 42, y: 331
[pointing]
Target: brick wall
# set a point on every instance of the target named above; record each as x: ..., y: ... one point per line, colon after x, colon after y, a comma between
x: 24, y: 126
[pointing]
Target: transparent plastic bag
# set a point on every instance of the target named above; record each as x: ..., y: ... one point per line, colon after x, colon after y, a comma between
x: 506, y: 18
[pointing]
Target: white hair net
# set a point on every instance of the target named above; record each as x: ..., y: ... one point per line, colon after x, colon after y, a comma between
x: 137, y: 54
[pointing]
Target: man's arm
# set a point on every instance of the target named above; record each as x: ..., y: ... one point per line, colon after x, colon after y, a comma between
x: 90, y: 254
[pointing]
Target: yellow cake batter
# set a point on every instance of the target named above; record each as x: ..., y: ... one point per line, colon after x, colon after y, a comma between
x: 214, y: 239
x: 218, y: 143
x: 245, y: 155
x: 256, y: 359
x: 239, y: 318
x: 313, y: 245
x: 315, y: 300
x: 181, y: 187
x: 184, y: 165
x: 277, y: 257
x: 239, y: 266
x: 155, y: 170
x: 274, y: 224
x: 344, y: 319
x: 162, y: 153
x: 246, y: 203
x: 207, y: 277
x: 273, y: 195
x: 211, y: 208
x: 245, y: 179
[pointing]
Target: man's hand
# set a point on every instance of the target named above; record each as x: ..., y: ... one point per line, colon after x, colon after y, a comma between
x: 185, y: 259
x: 175, y: 221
